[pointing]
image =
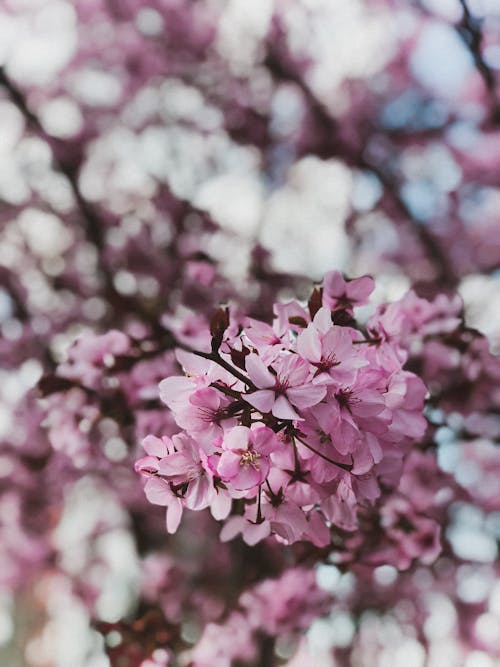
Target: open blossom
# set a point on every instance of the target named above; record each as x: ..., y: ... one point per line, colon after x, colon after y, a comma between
x: 342, y: 294
x: 204, y: 412
x: 410, y: 535
x: 186, y: 466
x: 286, y: 604
x: 269, y: 340
x: 289, y: 387
x: 329, y: 349
x: 91, y: 354
x: 244, y: 463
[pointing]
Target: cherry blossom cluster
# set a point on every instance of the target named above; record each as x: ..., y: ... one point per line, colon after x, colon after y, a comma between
x: 285, y: 606
x: 123, y: 229
x: 290, y: 427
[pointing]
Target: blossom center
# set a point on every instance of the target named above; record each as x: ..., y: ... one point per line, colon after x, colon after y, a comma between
x: 327, y: 363
x: 250, y: 458
x: 210, y: 416
x: 282, y: 384
x: 346, y: 398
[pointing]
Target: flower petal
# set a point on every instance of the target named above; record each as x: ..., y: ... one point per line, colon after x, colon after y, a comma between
x: 206, y: 397
x: 307, y: 395
x: 175, y: 390
x: 263, y: 399
x: 309, y: 344
x: 260, y: 375
x: 236, y: 438
x: 158, y: 491
x: 174, y: 515
x: 283, y: 410
x: 253, y: 533
x: 221, y: 505
x: 248, y: 477
x: 155, y: 446
x: 146, y: 466
x: 228, y: 465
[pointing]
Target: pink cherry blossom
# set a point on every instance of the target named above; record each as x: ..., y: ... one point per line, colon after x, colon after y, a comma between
x: 158, y: 492
x: 203, y: 413
x: 329, y: 349
x: 342, y: 294
x: 187, y: 466
x: 269, y: 340
x: 244, y: 463
x: 289, y: 387
x: 300, y: 437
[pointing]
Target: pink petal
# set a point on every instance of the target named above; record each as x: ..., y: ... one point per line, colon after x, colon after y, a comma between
x: 229, y: 465
x: 285, y: 311
x: 231, y: 528
x: 318, y: 532
x: 294, y: 370
x: 309, y: 345
x: 175, y: 465
x: 323, y: 320
x: 334, y: 284
x: 174, y: 515
x: 158, y: 491
x: 283, y: 410
x: 376, y: 451
x: 260, y: 375
x: 362, y: 460
x: 368, y: 487
x: 307, y: 395
x: 360, y: 289
x: 264, y: 440
x: 260, y: 333
x: 247, y: 478
x: 147, y: 465
x: 192, y: 363
x: 263, y: 399
x: 253, y: 533
x: 370, y: 404
x: 338, y: 341
x: 236, y: 438
x: 175, y: 390
x: 155, y: 446
x: 221, y: 505
x: 208, y: 397
x: 199, y: 493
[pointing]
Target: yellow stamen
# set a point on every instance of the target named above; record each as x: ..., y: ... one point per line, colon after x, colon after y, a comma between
x: 250, y: 458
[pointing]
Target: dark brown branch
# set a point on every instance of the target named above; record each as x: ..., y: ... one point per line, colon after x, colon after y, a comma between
x: 337, y: 146
x: 93, y: 225
x: 471, y: 33
x: 215, y: 356
x: 344, y: 466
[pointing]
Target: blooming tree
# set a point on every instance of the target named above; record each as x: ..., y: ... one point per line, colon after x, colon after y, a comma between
x: 250, y: 398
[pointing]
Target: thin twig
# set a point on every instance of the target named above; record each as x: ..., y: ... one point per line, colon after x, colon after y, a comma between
x: 344, y: 466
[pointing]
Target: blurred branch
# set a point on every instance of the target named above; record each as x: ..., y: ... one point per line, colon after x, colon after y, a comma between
x: 10, y: 283
x: 336, y: 146
x: 66, y: 167
x: 470, y: 30
x: 67, y: 160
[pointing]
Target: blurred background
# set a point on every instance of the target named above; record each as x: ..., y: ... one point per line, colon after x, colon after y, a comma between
x: 271, y: 137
